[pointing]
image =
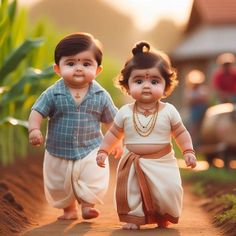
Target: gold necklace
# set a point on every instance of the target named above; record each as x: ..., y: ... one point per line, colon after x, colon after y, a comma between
x: 144, y: 130
x: 146, y: 112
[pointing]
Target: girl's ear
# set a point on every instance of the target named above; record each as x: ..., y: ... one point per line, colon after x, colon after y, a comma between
x: 57, y: 69
x: 99, y: 70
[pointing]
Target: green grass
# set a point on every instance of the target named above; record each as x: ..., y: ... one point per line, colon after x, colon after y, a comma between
x: 229, y: 214
x: 211, y: 175
x: 202, y: 182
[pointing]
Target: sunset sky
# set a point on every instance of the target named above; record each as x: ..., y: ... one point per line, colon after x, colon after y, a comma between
x: 146, y: 13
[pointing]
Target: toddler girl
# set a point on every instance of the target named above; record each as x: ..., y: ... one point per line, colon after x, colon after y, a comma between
x: 148, y: 180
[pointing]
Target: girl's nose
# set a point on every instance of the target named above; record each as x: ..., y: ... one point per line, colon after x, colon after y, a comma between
x: 146, y: 84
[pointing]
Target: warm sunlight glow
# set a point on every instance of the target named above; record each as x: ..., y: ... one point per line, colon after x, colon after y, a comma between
x: 37, y: 71
x: 146, y: 13
x: 232, y: 164
x: 219, y: 109
x: 12, y: 121
x: 2, y: 89
x: 201, y: 165
x: 218, y: 162
x: 28, y: 2
x: 195, y: 77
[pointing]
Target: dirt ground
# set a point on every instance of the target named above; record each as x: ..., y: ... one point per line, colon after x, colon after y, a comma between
x: 24, y: 210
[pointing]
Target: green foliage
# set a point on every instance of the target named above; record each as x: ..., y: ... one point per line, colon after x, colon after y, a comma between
x: 211, y: 175
x: 106, y: 79
x: 229, y: 202
x: 218, y: 177
x: 16, y: 56
x: 198, y: 189
x: 21, y: 52
x: 26, y: 58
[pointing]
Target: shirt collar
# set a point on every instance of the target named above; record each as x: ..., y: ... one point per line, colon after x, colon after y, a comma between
x: 60, y: 87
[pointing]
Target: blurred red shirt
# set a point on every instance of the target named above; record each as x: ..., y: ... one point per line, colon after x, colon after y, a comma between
x: 225, y: 80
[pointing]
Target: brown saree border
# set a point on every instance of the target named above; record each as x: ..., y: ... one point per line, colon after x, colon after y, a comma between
x: 150, y: 212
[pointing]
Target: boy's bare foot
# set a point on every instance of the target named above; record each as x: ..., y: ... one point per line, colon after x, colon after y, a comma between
x: 131, y: 226
x: 69, y: 215
x: 89, y: 213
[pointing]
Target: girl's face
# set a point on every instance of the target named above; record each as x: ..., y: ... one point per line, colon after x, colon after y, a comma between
x: 78, y: 70
x: 146, y: 85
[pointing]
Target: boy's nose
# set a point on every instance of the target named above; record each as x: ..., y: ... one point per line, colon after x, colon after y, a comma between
x: 79, y: 67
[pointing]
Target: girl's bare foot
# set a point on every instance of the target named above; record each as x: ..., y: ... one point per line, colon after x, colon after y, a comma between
x: 163, y: 223
x: 89, y: 213
x: 131, y: 226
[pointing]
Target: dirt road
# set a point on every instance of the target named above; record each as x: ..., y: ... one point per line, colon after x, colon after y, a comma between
x: 194, y: 222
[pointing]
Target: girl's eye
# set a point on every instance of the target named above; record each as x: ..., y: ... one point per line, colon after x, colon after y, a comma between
x: 70, y: 63
x: 139, y: 81
x: 154, y: 82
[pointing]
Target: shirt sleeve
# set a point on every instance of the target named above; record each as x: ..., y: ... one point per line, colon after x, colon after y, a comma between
x: 44, y: 104
x: 175, y: 117
x: 109, y: 110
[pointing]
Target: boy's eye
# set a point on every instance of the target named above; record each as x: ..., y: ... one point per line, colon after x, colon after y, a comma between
x: 87, y: 64
x: 70, y: 63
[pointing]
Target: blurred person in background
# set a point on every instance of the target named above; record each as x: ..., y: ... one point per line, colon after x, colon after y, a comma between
x: 197, y: 102
x: 224, y: 78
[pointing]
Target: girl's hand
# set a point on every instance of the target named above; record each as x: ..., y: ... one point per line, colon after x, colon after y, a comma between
x: 118, y: 150
x: 101, y: 157
x: 190, y: 160
x: 35, y: 137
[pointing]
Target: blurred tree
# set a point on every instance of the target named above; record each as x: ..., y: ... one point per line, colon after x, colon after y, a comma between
x: 166, y: 35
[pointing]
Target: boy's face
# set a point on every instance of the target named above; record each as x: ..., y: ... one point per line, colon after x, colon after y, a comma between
x: 78, y: 70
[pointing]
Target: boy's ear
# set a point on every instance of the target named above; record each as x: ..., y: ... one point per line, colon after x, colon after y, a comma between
x: 56, y: 69
x: 99, y: 70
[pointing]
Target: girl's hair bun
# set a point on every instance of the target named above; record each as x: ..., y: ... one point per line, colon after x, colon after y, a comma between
x: 140, y: 48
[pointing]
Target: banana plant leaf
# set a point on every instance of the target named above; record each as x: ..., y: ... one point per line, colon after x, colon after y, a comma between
x: 15, y: 58
x: 12, y: 10
x: 14, y: 121
x: 32, y: 77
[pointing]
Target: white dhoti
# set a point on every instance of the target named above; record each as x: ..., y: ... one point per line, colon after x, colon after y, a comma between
x: 149, y: 188
x: 68, y: 180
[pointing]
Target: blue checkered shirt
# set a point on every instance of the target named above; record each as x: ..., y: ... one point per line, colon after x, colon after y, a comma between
x: 74, y: 130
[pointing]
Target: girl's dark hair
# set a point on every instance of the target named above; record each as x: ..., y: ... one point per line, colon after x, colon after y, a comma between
x: 76, y: 43
x: 144, y: 58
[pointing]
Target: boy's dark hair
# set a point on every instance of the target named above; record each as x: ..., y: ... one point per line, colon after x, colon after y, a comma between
x: 144, y: 58
x: 76, y: 43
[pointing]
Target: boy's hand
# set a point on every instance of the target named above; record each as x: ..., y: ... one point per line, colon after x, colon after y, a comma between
x: 118, y: 150
x: 101, y: 157
x: 190, y: 160
x: 35, y: 137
